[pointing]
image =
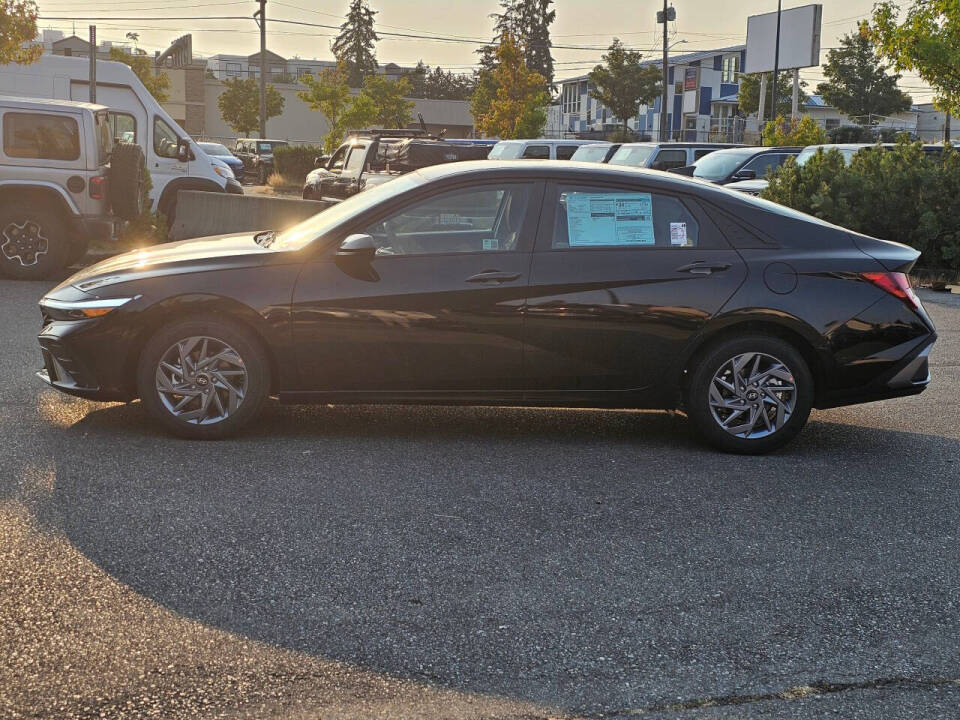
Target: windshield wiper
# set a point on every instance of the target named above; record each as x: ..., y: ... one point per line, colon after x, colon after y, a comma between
x: 265, y: 238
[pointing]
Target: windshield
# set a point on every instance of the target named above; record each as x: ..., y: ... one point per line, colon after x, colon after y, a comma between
x: 323, y: 222
x: 266, y: 147
x: 591, y: 153
x: 809, y: 152
x: 636, y: 156
x: 720, y: 163
x: 215, y: 149
x: 506, y: 151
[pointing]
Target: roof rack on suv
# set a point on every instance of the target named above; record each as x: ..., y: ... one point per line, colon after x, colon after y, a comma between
x: 388, y: 132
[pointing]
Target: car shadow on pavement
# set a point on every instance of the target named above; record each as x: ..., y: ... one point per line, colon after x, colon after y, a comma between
x: 581, y: 558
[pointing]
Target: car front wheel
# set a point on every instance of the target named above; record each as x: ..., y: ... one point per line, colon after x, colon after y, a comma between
x: 750, y: 395
x: 203, y: 379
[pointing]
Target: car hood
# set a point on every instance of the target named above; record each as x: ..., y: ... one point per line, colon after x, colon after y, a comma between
x: 209, y: 253
x: 748, y: 185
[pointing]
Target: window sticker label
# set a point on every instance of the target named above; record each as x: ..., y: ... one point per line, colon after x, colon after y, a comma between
x: 491, y: 244
x: 609, y: 219
x: 678, y: 233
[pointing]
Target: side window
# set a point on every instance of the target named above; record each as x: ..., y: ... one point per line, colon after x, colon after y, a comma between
x: 358, y: 153
x: 123, y: 127
x: 667, y: 159
x: 336, y: 162
x: 536, y: 152
x: 762, y: 164
x: 41, y: 137
x: 697, y: 154
x: 479, y: 219
x: 590, y: 217
x: 164, y: 139
x: 565, y: 152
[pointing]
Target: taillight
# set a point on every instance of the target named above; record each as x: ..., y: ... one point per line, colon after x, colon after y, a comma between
x: 98, y: 187
x: 895, y: 283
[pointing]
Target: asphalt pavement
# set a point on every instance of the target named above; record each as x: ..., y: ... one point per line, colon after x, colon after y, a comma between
x: 358, y: 562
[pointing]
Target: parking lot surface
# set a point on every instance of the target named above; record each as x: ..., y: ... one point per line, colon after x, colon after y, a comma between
x: 356, y: 562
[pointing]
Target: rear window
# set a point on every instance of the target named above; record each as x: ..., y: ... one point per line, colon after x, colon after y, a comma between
x: 104, y: 137
x: 632, y: 156
x: 506, y: 151
x: 41, y: 137
x: 590, y: 153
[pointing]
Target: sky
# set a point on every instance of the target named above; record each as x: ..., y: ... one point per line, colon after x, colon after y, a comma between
x: 585, y: 28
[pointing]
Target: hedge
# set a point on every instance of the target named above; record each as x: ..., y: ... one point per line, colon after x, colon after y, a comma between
x: 295, y: 161
x: 900, y: 194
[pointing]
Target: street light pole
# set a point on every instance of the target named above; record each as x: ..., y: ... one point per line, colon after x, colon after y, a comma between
x: 666, y: 15
x: 261, y: 16
x: 776, y: 67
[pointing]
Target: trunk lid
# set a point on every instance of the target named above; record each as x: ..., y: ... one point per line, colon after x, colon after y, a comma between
x: 894, y: 256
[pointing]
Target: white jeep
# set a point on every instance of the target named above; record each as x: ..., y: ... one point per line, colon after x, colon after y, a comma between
x: 63, y: 183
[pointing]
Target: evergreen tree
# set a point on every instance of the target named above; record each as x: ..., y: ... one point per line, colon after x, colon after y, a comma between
x: 858, y: 83
x: 354, y: 46
x: 512, y: 100
x: 528, y: 21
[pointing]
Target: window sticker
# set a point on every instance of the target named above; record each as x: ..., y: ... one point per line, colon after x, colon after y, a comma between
x: 609, y: 219
x: 491, y: 244
x: 678, y: 233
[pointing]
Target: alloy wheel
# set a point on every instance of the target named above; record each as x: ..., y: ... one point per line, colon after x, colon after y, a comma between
x: 24, y: 243
x: 752, y: 395
x: 201, y: 380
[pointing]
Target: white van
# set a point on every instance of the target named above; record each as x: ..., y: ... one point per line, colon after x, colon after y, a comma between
x: 174, y: 160
x: 538, y: 149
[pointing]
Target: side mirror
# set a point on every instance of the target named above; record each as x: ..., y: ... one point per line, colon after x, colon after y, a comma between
x: 183, y: 150
x: 745, y: 175
x: 358, y: 245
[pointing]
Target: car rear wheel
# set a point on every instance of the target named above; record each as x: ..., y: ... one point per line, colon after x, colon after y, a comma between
x: 33, y: 240
x: 203, y: 379
x: 750, y: 395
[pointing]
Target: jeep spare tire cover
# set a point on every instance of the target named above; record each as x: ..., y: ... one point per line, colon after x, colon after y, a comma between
x: 128, y: 179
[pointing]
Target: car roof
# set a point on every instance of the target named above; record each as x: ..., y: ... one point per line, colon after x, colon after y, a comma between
x: 756, y: 150
x: 721, y: 146
x: 51, y: 104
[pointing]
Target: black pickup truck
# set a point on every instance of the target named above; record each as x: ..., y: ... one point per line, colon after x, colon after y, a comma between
x: 368, y: 158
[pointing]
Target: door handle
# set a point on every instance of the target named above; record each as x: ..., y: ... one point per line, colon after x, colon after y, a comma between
x: 492, y: 276
x: 699, y: 267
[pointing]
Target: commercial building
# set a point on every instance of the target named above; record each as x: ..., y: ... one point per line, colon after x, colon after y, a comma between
x: 702, y: 91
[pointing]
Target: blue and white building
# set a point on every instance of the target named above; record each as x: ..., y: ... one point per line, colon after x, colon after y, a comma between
x: 701, y: 101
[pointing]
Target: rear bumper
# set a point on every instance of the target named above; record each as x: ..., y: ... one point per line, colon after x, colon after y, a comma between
x: 97, y: 228
x: 909, y: 376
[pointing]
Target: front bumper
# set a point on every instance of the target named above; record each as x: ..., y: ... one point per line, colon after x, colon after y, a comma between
x: 233, y: 187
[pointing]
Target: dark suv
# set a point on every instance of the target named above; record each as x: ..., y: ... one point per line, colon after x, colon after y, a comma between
x: 257, y: 157
x: 746, y: 163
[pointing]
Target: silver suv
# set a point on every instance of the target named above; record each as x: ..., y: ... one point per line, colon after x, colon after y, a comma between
x: 63, y: 183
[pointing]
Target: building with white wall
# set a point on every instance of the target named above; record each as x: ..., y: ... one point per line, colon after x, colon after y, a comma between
x: 702, y: 93
x: 281, y: 69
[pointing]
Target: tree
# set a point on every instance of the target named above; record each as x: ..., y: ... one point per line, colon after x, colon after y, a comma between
x: 515, y: 97
x: 794, y: 132
x: 239, y: 104
x: 329, y: 93
x: 18, y: 25
x: 528, y: 21
x: 623, y: 83
x: 388, y: 98
x: 858, y: 83
x: 158, y: 84
x: 928, y: 42
x: 748, y: 99
x: 354, y: 46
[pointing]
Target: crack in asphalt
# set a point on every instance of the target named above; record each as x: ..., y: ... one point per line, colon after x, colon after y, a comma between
x: 799, y: 692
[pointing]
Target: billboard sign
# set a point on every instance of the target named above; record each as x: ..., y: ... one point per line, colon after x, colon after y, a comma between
x: 799, y: 39
x: 690, y: 79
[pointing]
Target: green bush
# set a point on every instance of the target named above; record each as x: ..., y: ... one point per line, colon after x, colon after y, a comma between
x: 295, y: 161
x: 900, y: 194
x: 850, y: 134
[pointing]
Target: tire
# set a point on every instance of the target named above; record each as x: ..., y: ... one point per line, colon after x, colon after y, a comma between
x: 713, y: 389
x: 34, y: 240
x: 128, y: 180
x: 206, y: 412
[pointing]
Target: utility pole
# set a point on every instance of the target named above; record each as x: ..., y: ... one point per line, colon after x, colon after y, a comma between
x: 93, y: 63
x: 261, y: 17
x: 776, y: 67
x: 946, y: 128
x: 663, y: 17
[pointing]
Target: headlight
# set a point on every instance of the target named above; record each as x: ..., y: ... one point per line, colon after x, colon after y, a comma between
x: 82, y: 309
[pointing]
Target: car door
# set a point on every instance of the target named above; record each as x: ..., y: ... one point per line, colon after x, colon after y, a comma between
x: 622, y: 278
x: 164, y: 164
x: 436, y: 312
x: 345, y: 183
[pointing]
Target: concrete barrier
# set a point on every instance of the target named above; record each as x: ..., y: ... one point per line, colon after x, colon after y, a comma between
x: 200, y: 214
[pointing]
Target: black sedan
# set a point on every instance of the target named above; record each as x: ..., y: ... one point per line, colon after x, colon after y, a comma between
x: 531, y: 283
x: 736, y: 164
